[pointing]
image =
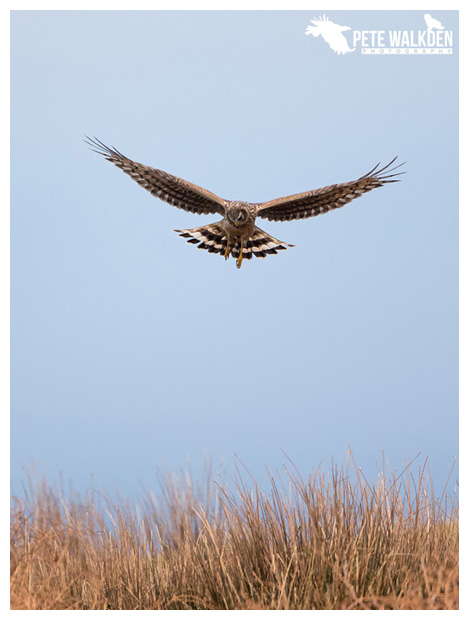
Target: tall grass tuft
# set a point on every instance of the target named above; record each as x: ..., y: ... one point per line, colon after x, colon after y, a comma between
x: 333, y: 541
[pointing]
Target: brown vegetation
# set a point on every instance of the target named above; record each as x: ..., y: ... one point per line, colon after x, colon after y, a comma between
x: 334, y: 541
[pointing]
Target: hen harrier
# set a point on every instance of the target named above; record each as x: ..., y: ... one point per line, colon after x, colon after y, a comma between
x: 236, y: 233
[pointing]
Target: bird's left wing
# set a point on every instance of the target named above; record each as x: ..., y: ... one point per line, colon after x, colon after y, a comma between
x: 317, y: 201
x: 171, y: 189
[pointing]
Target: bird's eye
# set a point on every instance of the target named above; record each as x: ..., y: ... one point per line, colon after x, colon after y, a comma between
x: 241, y: 216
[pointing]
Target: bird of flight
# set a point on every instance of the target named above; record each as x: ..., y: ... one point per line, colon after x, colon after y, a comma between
x: 236, y: 233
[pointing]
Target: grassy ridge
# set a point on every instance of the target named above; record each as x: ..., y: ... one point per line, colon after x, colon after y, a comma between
x: 334, y: 541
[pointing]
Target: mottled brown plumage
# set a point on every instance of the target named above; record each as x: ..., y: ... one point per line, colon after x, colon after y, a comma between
x: 236, y: 233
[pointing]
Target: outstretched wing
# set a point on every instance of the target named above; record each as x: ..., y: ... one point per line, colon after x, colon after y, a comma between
x: 171, y: 189
x: 317, y: 201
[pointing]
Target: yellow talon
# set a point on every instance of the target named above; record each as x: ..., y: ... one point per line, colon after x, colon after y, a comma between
x: 239, y: 260
x: 227, y: 251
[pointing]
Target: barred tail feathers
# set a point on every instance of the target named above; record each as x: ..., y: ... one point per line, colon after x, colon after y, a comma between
x: 213, y: 239
x: 260, y: 244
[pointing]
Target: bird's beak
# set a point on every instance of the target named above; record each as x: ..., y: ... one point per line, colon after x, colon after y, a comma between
x: 236, y: 224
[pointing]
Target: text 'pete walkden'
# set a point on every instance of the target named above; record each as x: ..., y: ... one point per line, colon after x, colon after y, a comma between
x: 403, y: 41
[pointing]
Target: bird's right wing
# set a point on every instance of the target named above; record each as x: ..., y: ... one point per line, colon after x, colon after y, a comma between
x: 171, y: 189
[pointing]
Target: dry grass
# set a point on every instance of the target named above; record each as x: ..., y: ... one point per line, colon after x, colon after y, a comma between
x: 334, y: 541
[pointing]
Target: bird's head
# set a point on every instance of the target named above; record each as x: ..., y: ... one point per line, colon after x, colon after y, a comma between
x: 237, y: 216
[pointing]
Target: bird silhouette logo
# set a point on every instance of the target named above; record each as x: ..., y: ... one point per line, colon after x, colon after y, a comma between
x: 432, y: 23
x: 331, y: 33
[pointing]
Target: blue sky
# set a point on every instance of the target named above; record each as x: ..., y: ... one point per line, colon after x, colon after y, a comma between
x: 131, y: 350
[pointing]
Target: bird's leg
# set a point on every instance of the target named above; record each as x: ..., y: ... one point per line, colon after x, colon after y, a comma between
x: 239, y: 260
x: 227, y: 251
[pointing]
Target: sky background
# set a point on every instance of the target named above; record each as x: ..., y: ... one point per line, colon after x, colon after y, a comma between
x: 131, y: 350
